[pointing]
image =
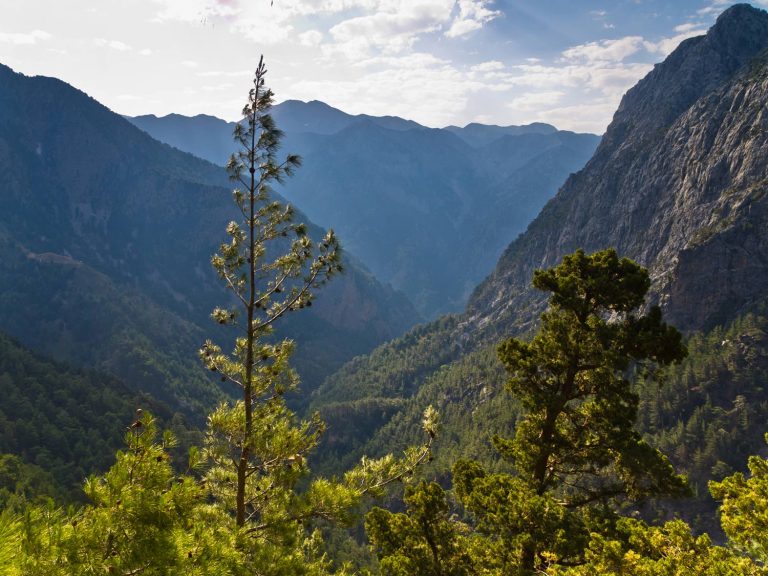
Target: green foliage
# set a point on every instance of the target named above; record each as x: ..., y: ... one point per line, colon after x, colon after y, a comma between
x: 59, y: 421
x: 709, y: 412
x: 704, y: 413
x: 472, y: 411
x: 370, y: 391
x: 517, y: 518
x: 576, y: 453
x: 144, y: 519
x: 571, y: 380
x: 10, y: 539
x: 257, y: 449
x: 21, y: 483
x: 255, y: 445
x: 668, y: 550
x: 424, y: 540
x: 744, y: 508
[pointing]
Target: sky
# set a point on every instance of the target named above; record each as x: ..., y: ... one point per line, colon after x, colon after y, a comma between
x: 438, y: 62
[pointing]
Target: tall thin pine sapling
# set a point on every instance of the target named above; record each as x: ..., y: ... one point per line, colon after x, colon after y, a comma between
x: 272, y: 267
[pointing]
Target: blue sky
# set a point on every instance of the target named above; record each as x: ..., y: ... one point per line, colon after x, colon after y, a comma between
x: 438, y: 62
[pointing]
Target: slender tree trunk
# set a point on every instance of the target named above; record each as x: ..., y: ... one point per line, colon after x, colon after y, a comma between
x: 242, y: 467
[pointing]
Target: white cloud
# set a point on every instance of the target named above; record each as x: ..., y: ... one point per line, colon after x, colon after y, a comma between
x: 582, y: 117
x: 255, y: 20
x: 392, y: 28
x: 618, y: 50
x: 688, y: 27
x: 423, y: 59
x: 189, y: 64
x: 195, y: 10
x: 222, y: 74
x: 607, y: 78
x: 665, y: 46
x: 536, y: 100
x: 113, y: 44
x: 462, y: 27
x: 715, y: 7
x: 473, y: 14
x: 412, y: 60
x: 490, y: 66
x: 358, y: 29
x: 606, y: 50
x: 311, y: 38
x: 24, y: 38
x: 415, y: 86
x: 218, y: 87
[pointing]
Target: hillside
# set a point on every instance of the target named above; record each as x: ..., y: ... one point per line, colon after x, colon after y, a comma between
x: 682, y: 190
x: 106, y: 239
x: 66, y: 421
x: 405, y: 198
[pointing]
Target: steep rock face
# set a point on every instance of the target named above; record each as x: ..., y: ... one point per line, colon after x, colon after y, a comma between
x: 678, y: 183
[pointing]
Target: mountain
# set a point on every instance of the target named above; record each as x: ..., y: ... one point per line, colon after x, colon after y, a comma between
x: 210, y: 138
x: 678, y: 183
x: 483, y: 134
x: 106, y: 237
x: 428, y: 210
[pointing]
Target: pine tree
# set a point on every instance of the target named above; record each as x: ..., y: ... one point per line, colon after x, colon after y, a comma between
x: 257, y: 446
x: 269, y: 277
x: 424, y: 540
x: 576, y: 450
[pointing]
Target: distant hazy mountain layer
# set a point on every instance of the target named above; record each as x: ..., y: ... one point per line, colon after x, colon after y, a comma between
x: 429, y: 211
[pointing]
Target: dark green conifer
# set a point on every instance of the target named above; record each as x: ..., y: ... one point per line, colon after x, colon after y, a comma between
x: 576, y: 450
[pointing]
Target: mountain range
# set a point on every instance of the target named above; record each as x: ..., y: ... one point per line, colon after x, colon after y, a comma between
x: 428, y: 210
x: 106, y: 237
x: 678, y: 183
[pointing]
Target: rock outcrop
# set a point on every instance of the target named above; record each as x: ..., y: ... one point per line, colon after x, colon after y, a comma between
x: 678, y: 183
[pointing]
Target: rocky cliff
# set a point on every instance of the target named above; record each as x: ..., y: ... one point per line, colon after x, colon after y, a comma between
x: 677, y: 183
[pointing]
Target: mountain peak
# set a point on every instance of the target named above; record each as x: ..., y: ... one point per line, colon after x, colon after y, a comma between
x: 738, y: 14
x: 677, y: 183
x: 740, y: 31
x: 696, y: 67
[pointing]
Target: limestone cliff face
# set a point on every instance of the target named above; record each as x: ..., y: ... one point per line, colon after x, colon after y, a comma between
x: 678, y: 183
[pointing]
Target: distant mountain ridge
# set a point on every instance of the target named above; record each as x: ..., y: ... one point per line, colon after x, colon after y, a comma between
x: 106, y: 236
x: 210, y: 138
x: 428, y: 210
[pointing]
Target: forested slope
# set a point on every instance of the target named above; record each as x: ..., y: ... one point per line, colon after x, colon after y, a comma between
x: 678, y: 183
x: 64, y: 420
